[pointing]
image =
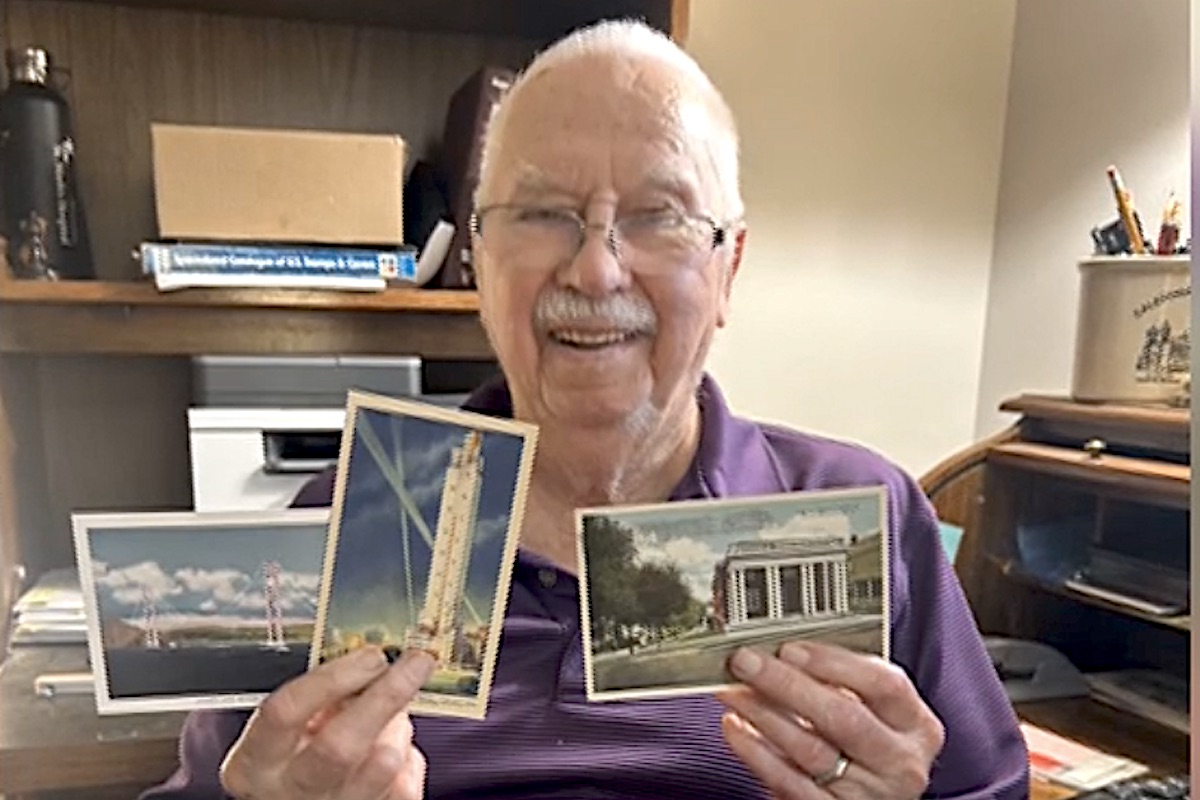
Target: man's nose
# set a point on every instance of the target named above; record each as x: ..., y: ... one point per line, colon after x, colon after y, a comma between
x: 596, y: 270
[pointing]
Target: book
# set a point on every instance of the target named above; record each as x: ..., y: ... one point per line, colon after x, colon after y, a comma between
x: 180, y: 265
x: 51, y: 611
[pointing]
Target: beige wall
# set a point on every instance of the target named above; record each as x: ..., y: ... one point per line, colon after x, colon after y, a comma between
x: 872, y: 142
x: 1093, y: 82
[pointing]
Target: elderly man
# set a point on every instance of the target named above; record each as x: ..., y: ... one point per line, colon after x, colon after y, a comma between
x: 608, y: 232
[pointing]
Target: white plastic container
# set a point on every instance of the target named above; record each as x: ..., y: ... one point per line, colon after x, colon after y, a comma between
x: 1133, y: 331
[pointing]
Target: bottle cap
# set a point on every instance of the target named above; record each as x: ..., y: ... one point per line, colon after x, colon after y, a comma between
x: 28, y: 65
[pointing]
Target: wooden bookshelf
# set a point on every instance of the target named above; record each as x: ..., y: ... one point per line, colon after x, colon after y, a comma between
x: 95, y: 376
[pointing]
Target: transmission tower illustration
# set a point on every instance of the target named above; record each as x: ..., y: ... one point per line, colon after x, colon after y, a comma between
x: 275, y: 638
x: 151, y: 639
x: 152, y: 607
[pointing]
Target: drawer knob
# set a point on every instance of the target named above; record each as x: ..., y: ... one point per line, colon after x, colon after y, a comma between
x: 1095, y: 448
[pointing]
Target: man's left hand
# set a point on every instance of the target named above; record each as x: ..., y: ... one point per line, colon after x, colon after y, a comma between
x: 820, y: 722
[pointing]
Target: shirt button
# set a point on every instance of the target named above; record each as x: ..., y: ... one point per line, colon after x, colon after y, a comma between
x: 548, y: 578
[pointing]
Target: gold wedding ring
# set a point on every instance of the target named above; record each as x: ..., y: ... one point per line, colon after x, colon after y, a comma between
x: 830, y: 775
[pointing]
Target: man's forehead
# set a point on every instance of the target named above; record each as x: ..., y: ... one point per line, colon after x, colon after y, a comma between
x: 569, y: 174
x: 601, y: 122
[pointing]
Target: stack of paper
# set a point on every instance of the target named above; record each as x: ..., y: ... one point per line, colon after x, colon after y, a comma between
x: 1148, y: 693
x: 1063, y: 761
x: 51, y: 611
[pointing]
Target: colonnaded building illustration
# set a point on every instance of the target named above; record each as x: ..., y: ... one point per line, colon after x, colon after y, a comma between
x: 439, y: 627
x: 822, y: 571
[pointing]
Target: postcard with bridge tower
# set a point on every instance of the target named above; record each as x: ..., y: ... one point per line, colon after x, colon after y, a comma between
x: 191, y: 610
x: 670, y: 590
x: 427, y: 512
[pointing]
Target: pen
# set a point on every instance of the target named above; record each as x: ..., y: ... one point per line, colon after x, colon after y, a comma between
x: 1168, y: 234
x: 1125, y: 208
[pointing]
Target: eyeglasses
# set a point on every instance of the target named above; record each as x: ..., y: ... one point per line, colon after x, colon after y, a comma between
x: 545, y: 237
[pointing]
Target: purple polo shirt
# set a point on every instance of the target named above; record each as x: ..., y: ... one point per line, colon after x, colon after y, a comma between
x: 542, y: 739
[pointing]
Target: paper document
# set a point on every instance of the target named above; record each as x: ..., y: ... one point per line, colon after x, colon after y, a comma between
x: 1061, y: 760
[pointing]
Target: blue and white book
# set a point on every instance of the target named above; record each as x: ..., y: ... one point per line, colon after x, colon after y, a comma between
x: 180, y: 265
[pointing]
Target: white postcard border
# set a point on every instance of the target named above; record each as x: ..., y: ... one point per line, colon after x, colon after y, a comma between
x: 797, y: 498
x: 83, y: 523
x: 427, y: 703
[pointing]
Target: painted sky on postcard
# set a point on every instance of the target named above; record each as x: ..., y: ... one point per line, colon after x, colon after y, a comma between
x: 214, y: 574
x: 370, y: 586
x: 695, y: 537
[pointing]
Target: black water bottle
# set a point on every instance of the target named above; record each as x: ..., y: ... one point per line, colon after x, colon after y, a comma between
x: 43, y: 217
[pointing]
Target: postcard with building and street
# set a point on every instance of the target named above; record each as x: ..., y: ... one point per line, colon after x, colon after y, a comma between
x: 190, y: 610
x: 426, y: 518
x: 670, y: 590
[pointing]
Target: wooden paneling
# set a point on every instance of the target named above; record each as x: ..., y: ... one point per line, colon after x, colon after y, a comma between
x: 24, y: 503
x: 131, y: 66
x: 527, y: 18
x: 115, y: 438
x: 86, y: 433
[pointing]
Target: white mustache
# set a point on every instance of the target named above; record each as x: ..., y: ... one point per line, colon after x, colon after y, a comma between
x: 557, y: 309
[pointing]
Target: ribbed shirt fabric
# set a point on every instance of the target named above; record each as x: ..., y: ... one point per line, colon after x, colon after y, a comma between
x: 542, y: 739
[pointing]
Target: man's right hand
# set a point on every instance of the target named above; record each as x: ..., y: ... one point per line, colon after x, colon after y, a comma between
x: 339, y: 732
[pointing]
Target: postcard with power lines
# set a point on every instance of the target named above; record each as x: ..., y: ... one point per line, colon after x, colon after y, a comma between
x: 670, y: 590
x: 427, y: 512
x: 189, y: 610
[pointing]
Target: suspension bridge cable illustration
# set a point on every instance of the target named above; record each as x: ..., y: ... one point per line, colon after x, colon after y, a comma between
x: 409, y: 583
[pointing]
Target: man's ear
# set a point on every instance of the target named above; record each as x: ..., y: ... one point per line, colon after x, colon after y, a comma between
x: 730, y: 272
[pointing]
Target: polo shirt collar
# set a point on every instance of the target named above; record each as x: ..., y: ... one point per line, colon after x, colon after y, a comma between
x: 733, y: 458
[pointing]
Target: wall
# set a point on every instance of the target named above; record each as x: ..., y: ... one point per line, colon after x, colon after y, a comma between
x: 1094, y: 82
x: 872, y: 141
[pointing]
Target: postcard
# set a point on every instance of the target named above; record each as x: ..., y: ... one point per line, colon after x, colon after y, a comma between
x: 670, y: 590
x: 190, y: 610
x: 427, y: 511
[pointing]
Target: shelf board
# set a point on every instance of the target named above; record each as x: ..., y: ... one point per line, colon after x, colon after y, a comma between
x: 134, y: 318
x: 1168, y: 419
x: 1158, y: 478
x: 532, y: 19
x: 143, y: 293
x: 1180, y: 622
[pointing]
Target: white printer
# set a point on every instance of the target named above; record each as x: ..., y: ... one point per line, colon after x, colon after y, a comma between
x: 261, y: 426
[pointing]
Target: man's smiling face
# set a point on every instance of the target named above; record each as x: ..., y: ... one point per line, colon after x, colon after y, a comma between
x: 604, y: 333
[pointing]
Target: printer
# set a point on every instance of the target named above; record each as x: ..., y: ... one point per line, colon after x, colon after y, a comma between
x: 259, y: 427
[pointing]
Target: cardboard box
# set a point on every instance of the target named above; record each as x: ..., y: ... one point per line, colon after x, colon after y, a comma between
x: 264, y: 185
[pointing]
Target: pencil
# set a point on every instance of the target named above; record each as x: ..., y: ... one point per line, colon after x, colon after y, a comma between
x: 1125, y: 208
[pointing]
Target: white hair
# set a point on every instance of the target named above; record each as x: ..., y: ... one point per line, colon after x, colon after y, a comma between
x: 632, y: 40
